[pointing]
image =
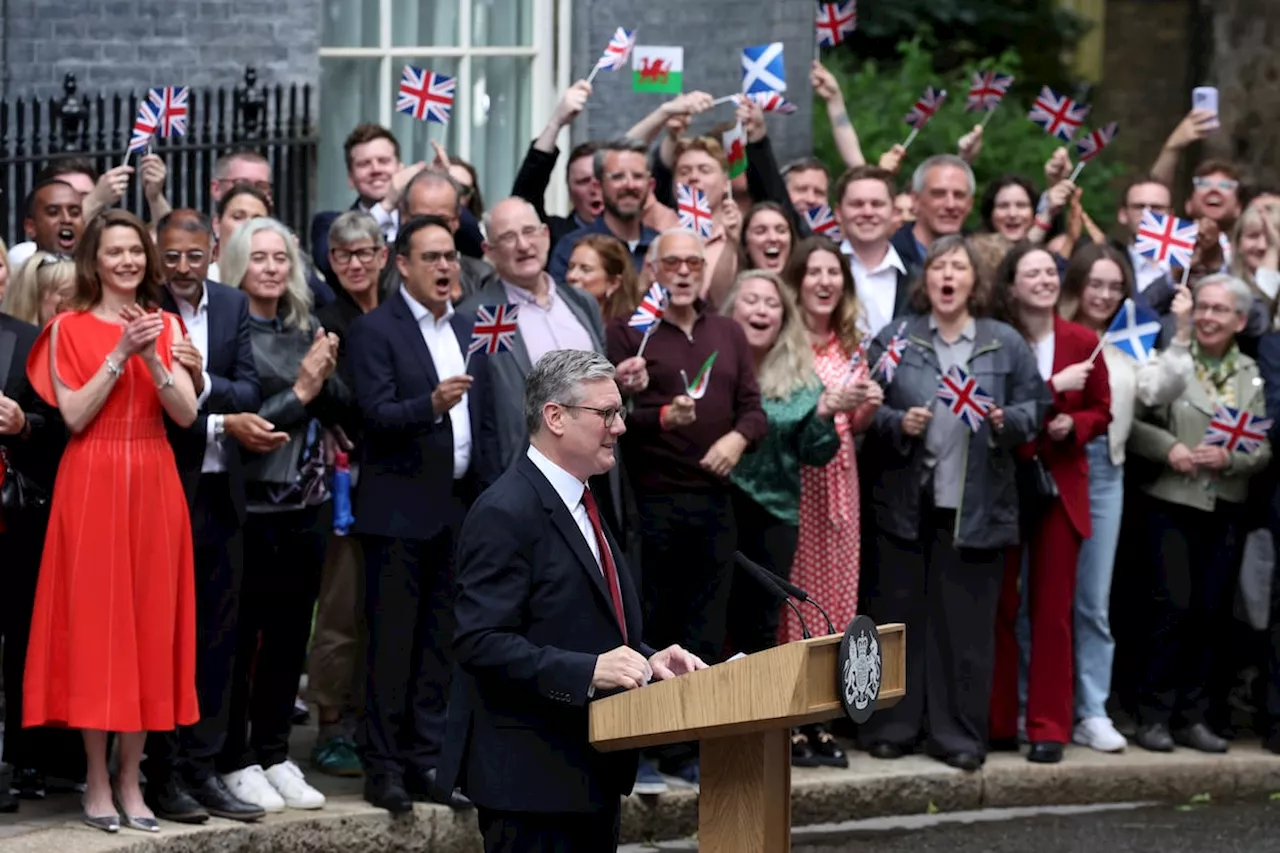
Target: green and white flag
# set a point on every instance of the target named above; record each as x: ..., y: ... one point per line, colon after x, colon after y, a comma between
x: 698, y: 388
x: 734, y: 141
x: 657, y: 69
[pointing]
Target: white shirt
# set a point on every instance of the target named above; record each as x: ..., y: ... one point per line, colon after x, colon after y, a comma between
x: 570, y: 489
x: 388, y: 222
x: 197, y: 322
x: 1145, y: 270
x: 877, y: 288
x: 1044, y: 356
x: 19, y: 253
x: 446, y: 354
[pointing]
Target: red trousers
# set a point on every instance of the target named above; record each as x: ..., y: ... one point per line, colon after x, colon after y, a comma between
x: 1051, y: 580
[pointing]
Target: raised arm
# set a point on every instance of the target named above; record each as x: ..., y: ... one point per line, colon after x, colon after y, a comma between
x: 827, y: 88
x: 1195, y: 125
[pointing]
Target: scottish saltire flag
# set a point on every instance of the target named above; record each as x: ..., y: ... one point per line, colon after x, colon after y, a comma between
x: 961, y: 394
x: 1057, y: 114
x: 836, y: 22
x: 145, y: 126
x: 425, y: 95
x: 987, y: 90
x: 171, y: 101
x: 771, y: 102
x: 618, y: 51
x: 1091, y: 144
x: 1236, y: 430
x: 892, y: 356
x: 762, y: 68
x: 698, y: 387
x: 650, y: 309
x: 1166, y: 238
x: 694, y: 209
x: 925, y: 107
x: 495, y: 329
x: 1134, y: 330
x: 822, y: 221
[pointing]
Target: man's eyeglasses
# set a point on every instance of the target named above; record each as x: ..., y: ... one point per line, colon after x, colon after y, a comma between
x: 344, y: 256
x: 1227, y: 185
x: 672, y: 263
x: 508, y: 239
x: 195, y: 258
x: 606, y: 415
x: 433, y: 258
x: 1162, y: 209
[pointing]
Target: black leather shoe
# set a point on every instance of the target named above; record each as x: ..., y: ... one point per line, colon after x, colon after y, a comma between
x: 8, y: 802
x: 387, y: 792
x: 1199, y: 737
x: 1045, y: 752
x: 170, y: 800
x: 885, y: 750
x: 1003, y: 744
x: 422, y: 787
x: 802, y: 750
x: 218, y: 801
x: 27, y: 784
x: 1154, y: 737
x: 966, y: 761
x: 826, y: 750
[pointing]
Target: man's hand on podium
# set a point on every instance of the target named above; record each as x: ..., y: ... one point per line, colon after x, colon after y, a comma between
x: 674, y: 661
x: 624, y: 667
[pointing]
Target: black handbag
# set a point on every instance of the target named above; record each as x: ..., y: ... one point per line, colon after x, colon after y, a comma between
x: 19, y: 495
x: 1036, y: 491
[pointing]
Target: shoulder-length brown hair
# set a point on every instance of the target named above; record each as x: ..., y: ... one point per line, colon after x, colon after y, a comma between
x: 89, y: 285
x: 979, y: 298
x: 844, y: 319
x: 1004, y: 305
x: 1076, y: 278
x: 615, y: 260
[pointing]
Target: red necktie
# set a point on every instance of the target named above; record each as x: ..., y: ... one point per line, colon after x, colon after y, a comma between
x: 606, y: 559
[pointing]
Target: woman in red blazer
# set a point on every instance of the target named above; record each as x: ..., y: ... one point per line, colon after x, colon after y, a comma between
x: 1027, y: 289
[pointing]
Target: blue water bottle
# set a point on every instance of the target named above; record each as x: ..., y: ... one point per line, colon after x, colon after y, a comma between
x: 342, y: 517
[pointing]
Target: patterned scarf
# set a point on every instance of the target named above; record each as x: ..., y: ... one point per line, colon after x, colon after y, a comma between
x: 1216, y: 375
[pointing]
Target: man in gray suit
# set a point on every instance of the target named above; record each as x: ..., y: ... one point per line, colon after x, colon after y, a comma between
x: 432, y: 193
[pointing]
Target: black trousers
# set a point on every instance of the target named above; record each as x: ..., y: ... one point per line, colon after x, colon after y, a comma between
x: 218, y: 540
x: 947, y: 596
x: 765, y: 539
x: 409, y: 595
x: 283, y: 553
x: 1194, y: 558
x: 687, y: 548
x: 533, y: 832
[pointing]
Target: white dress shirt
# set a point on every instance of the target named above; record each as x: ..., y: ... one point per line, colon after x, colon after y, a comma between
x: 196, y: 319
x: 877, y: 288
x: 388, y: 222
x: 446, y: 355
x: 570, y: 489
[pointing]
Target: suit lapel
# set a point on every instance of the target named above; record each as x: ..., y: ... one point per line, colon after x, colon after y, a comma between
x: 462, y: 326
x: 8, y: 343
x: 413, y: 339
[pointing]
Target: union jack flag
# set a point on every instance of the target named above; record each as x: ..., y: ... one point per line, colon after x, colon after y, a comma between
x: 987, y: 90
x: 859, y: 356
x: 425, y: 95
x: 966, y: 400
x: 893, y: 354
x: 618, y: 51
x: 822, y: 221
x: 1236, y: 430
x: 925, y: 107
x: 1166, y: 238
x: 695, y: 210
x: 172, y: 103
x: 1057, y: 114
x: 495, y: 329
x: 771, y: 102
x: 144, y: 126
x: 1091, y: 145
x: 650, y: 309
x: 836, y: 21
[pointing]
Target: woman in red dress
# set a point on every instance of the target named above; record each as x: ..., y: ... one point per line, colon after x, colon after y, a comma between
x: 113, y: 633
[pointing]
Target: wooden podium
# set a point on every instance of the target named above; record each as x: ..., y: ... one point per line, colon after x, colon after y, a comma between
x: 743, y: 711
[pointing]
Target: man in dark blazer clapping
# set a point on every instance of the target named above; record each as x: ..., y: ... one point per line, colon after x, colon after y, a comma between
x: 548, y: 619
x: 425, y: 457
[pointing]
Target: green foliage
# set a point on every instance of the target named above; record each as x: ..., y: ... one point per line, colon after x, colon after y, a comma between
x: 878, y: 96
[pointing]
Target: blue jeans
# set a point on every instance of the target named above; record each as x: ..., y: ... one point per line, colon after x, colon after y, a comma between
x: 1095, y: 648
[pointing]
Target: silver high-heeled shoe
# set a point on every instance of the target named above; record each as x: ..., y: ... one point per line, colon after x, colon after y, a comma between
x: 142, y: 824
x: 106, y: 823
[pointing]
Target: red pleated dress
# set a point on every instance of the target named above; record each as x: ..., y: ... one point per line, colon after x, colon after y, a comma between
x: 113, y: 631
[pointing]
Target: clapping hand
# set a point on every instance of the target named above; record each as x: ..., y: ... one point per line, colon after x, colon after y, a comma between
x: 1060, y: 427
x: 317, y: 366
x: 186, y: 354
x: 141, y: 331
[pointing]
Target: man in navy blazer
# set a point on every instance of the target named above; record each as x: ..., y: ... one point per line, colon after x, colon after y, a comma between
x: 548, y: 619
x: 181, y: 782
x: 425, y: 458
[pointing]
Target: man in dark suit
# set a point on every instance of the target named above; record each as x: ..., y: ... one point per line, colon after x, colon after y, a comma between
x: 181, y: 782
x: 548, y: 619
x: 864, y: 208
x: 943, y: 187
x: 425, y: 458
x: 373, y: 159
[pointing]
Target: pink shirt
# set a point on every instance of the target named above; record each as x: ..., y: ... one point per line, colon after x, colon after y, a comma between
x: 549, y: 326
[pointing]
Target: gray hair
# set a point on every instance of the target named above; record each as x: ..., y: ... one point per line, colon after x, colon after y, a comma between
x: 655, y: 248
x: 354, y: 226
x: 937, y: 160
x: 1241, y: 293
x: 294, y: 309
x: 558, y: 378
x: 428, y: 176
x: 624, y: 144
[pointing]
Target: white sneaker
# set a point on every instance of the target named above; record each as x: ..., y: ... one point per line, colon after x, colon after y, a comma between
x: 291, y: 785
x: 1099, y: 733
x: 250, y: 785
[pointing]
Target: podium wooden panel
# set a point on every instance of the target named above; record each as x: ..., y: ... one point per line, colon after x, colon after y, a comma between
x: 743, y: 712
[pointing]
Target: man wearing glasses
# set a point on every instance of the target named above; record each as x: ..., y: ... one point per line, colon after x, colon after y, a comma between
x: 1155, y: 288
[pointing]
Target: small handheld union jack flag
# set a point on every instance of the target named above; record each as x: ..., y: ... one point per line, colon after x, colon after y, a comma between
x: 495, y: 329
x: 694, y: 209
x: 771, y: 102
x: 822, y: 221
x: 1090, y: 145
x: 1057, y: 114
x: 967, y: 401
x: 650, y: 309
x: 618, y: 51
x: 892, y: 354
x: 171, y: 101
x: 1166, y: 238
x: 925, y: 107
x: 836, y: 22
x: 425, y: 95
x: 987, y: 90
x: 1236, y: 430
x: 144, y: 126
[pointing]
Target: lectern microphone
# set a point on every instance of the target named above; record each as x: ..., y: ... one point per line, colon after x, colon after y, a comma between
x: 769, y: 583
x: 784, y: 586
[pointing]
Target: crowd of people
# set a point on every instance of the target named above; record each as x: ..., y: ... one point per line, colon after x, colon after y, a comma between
x: 178, y: 395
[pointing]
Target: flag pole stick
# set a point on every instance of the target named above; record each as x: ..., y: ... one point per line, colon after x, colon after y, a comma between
x: 1102, y: 339
x: 645, y: 340
x: 1075, y: 173
x: 125, y: 161
x: 988, y: 116
x: 1186, y: 274
x: 594, y: 71
x: 725, y: 100
x: 911, y: 137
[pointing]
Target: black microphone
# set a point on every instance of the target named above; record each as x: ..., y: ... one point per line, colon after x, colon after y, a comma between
x: 767, y: 580
x: 782, y: 584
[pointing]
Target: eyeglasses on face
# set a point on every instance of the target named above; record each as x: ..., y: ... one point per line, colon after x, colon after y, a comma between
x: 344, y: 256
x: 508, y: 239
x: 195, y: 257
x: 432, y: 258
x: 1225, y: 184
x: 671, y: 263
x: 606, y: 415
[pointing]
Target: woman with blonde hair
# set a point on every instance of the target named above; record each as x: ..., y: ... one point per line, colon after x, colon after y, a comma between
x: 601, y: 265
x: 1256, y: 262
x: 41, y: 287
